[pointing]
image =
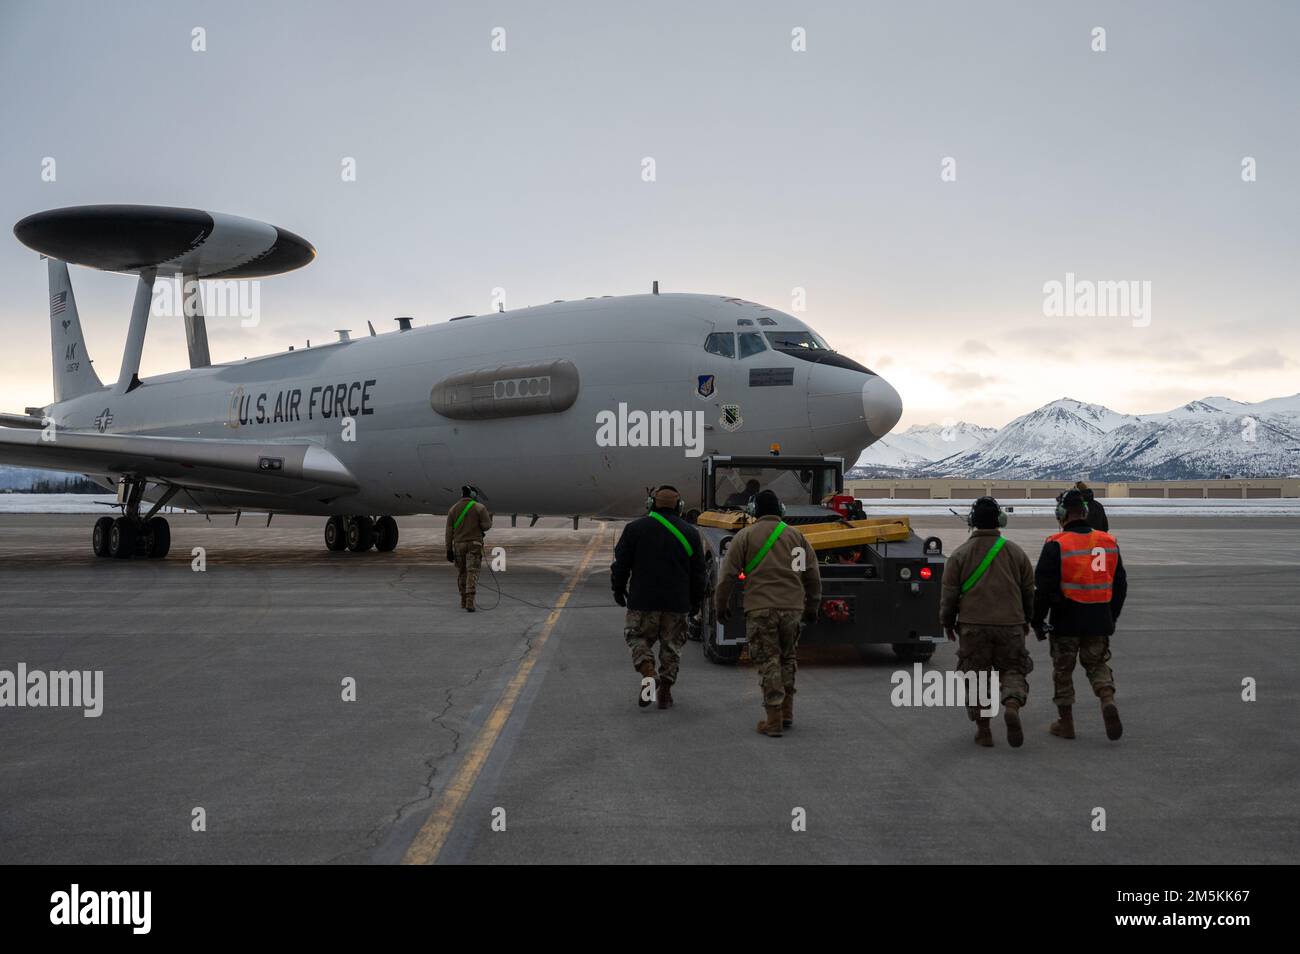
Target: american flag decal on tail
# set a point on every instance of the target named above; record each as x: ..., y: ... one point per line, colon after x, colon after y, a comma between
x: 58, y: 303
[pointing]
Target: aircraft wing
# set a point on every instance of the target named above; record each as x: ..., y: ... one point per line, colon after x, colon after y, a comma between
x: 249, y: 466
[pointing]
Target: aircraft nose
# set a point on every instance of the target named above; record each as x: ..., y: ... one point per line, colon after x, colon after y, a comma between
x: 881, y: 405
x: 850, y: 408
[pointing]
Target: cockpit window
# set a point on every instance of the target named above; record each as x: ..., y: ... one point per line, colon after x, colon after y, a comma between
x: 766, y: 321
x: 751, y: 343
x: 804, y: 340
x: 723, y: 344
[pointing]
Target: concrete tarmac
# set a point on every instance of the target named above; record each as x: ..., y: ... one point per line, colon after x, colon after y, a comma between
x: 223, y: 691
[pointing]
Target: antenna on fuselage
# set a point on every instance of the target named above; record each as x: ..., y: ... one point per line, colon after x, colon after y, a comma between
x: 403, y: 323
x: 345, y: 334
x: 654, y: 289
x: 371, y: 326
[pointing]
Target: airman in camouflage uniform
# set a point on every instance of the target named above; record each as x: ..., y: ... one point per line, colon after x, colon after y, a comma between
x: 986, y: 601
x: 467, y: 523
x: 658, y: 575
x: 782, y: 589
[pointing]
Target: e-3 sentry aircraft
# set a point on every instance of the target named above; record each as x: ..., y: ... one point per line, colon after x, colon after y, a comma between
x: 572, y: 408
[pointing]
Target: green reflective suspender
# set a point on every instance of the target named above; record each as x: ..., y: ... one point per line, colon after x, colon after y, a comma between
x: 758, y: 557
x: 984, y: 565
x: 468, y: 507
x: 681, y: 537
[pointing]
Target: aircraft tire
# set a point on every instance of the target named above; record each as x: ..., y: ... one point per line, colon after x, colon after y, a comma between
x: 99, y: 536
x: 122, y: 539
x: 386, y: 534
x: 361, y: 534
x: 160, y: 538
x: 336, y: 537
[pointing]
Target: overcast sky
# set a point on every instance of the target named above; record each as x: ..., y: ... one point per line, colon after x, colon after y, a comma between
x: 775, y: 169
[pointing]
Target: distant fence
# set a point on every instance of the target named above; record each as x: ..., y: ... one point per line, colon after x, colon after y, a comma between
x: 967, y: 489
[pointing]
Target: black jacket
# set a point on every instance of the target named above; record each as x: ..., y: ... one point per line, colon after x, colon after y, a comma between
x: 1096, y: 514
x: 1068, y: 617
x: 663, y: 576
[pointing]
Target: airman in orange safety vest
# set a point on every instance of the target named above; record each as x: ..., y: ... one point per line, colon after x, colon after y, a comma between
x: 1080, y: 581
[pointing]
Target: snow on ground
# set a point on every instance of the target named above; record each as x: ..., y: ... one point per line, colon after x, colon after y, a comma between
x: 1130, y: 506
x: 57, y: 503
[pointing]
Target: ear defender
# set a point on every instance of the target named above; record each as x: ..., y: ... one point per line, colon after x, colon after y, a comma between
x: 751, y: 508
x: 1062, y: 510
x: 986, y: 502
x: 679, y: 508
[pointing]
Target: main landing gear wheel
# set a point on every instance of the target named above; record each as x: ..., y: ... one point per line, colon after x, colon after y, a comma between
x: 133, y: 534
x: 159, y: 533
x: 122, y: 539
x: 99, y: 536
x: 386, y: 534
x: 336, y: 538
x: 361, y: 534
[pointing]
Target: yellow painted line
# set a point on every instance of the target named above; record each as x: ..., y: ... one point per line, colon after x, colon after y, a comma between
x: 433, y: 834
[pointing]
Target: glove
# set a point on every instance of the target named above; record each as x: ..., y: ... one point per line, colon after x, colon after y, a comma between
x: 810, y: 614
x: 620, y: 597
x: 951, y: 633
x: 1040, y: 632
x: 451, y: 555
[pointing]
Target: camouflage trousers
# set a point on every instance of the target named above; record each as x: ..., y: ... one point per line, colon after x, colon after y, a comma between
x: 469, y: 557
x: 773, y: 636
x: 1093, y: 652
x: 643, y: 628
x: 1001, y: 648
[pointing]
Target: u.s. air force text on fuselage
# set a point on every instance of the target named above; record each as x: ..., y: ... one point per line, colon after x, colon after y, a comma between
x: 323, y: 402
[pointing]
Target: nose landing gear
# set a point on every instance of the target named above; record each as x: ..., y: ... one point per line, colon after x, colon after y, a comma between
x: 359, y: 534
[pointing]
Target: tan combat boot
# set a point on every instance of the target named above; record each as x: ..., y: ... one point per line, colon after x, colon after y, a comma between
x: 1110, y: 715
x: 983, y: 734
x: 1063, y: 727
x: 665, y: 693
x: 771, y: 726
x: 1015, y: 732
x: 787, y: 708
x: 647, y: 671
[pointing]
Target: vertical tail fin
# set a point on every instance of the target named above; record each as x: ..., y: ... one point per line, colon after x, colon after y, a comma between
x: 73, y: 373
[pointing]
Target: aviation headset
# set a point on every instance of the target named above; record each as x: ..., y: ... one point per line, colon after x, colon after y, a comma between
x: 469, y: 491
x: 1067, y: 500
x: 751, y: 507
x: 678, y: 508
x: 983, y: 503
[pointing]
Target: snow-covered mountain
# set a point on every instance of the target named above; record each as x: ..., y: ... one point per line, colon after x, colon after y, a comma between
x: 1208, y: 438
x: 923, y: 444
